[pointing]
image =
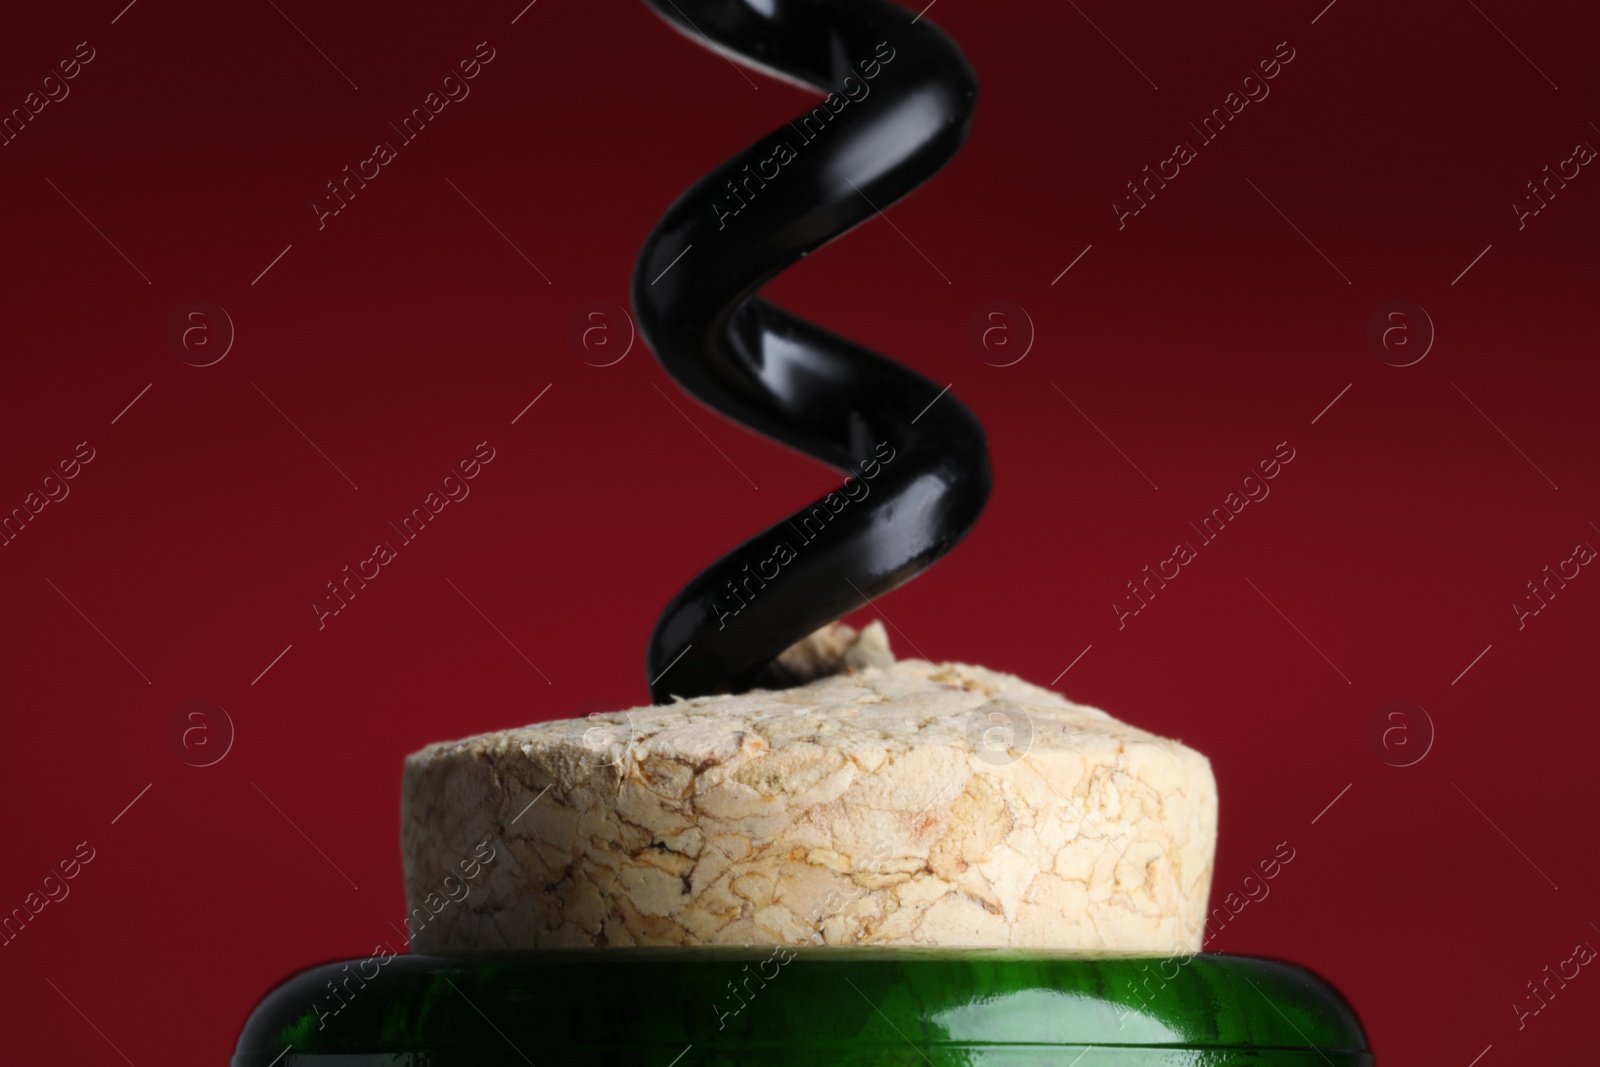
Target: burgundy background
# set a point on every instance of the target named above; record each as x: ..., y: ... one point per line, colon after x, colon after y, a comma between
x: 408, y: 330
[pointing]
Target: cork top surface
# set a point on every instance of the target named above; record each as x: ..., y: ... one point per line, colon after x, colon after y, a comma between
x: 877, y: 706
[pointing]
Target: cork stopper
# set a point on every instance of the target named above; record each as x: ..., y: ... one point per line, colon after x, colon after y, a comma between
x: 866, y: 801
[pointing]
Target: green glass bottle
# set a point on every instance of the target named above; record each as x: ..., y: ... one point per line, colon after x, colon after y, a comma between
x: 785, y: 1007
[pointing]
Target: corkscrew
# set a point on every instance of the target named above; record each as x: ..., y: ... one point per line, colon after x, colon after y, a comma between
x: 900, y: 100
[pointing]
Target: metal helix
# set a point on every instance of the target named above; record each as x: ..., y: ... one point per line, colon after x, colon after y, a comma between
x: 899, y: 102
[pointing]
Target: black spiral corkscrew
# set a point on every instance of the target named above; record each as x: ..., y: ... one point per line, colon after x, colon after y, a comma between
x: 900, y: 100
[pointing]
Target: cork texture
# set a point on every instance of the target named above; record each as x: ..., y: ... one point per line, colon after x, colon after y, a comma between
x: 893, y: 803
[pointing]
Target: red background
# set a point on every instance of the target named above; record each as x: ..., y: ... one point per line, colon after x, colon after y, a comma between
x: 405, y: 332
